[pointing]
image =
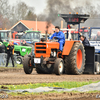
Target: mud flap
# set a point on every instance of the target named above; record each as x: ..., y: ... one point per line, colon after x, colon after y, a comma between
x: 90, y: 60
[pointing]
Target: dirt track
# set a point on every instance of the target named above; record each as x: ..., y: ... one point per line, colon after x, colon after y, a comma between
x: 56, y: 96
x: 19, y: 77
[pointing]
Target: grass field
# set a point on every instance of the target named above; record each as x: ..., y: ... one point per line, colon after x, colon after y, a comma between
x: 55, y: 84
x: 18, y: 67
x: 51, y: 92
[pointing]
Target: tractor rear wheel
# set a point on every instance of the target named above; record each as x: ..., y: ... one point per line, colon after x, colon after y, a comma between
x: 26, y: 65
x: 75, y: 61
x: 58, y: 66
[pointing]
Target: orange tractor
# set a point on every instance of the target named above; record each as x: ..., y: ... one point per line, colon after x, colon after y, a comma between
x: 72, y: 60
x: 48, y: 59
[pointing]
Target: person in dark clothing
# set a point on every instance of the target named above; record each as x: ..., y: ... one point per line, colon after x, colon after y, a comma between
x: 2, y: 48
x: 10, y: 52
x: 84, y: 40
x: 2, y: 53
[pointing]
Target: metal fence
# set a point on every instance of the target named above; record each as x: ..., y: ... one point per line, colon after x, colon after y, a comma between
x: 3, y: 60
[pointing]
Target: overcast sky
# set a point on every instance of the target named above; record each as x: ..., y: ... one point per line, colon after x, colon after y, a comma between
x: 39, y: 5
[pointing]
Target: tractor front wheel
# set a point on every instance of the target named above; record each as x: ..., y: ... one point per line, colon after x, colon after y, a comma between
x: 58, y: 66
x: 26, y: 65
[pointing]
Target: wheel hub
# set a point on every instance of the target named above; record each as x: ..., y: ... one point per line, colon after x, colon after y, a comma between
x: 61, y: 67
x: 79, y: 59
x: 18, y: 61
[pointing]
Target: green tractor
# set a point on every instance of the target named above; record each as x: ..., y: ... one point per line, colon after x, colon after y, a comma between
x: 26, y: 47
x: 21, y: 51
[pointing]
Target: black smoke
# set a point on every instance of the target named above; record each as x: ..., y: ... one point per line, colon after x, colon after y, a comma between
x: 55, y: 7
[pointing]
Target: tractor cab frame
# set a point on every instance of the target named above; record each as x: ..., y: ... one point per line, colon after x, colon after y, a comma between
x: 74, y: 19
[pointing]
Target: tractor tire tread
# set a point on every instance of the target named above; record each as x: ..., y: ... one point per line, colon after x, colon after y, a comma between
x: 70, y: 60
x: 26, y: 68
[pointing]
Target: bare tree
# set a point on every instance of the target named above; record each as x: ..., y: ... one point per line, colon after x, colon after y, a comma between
x: 30, y: 16
x: 4, y: 14
x: 19, y: 11
x: 4, y: 8
x: 22, y: 11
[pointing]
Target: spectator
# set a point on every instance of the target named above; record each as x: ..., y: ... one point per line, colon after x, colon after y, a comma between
x: 10, y: 53
x: 84, y: 40
x: 2, y: 52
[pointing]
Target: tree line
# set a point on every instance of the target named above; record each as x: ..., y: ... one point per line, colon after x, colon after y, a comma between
x: 9, y: 15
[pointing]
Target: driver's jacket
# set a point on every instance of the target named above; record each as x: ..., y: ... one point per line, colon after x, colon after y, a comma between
x: 59, y: 36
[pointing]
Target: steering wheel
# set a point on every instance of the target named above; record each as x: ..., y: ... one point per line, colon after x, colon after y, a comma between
x: 54, y: 40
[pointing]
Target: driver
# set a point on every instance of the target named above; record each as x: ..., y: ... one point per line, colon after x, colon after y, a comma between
x: 59, y: 36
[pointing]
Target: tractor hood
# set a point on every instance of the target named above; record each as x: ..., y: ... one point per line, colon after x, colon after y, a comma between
x: 44, y: 48
x: 23, y: 50
x: 18, y: 47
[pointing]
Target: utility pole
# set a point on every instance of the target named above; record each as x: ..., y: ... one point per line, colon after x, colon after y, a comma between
x: 61, y: 24
x: 36, y: 23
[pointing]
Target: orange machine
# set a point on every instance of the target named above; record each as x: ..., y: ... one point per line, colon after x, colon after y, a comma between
x: 48, y: 59
x: 45, y: 48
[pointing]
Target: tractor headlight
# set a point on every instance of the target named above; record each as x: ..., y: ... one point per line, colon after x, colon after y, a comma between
x: 53, y: 53
x: 23, y: 50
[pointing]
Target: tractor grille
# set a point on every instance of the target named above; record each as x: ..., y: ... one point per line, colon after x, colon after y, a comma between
x: 40, y: 51
x: 40, y: 47
x: 40, y: 44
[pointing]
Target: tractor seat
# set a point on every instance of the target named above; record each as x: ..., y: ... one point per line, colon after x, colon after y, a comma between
x: 43, y: 39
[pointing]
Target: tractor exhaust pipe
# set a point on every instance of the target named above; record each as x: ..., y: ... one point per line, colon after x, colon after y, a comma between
x: 46, y: 32
x: 48, y: 25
